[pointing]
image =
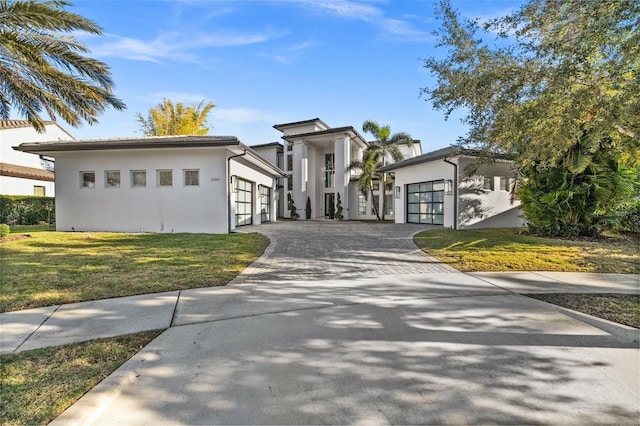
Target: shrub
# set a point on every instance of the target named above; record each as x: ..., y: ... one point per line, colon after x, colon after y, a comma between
x: 630, y: 217
x: 21, y: 210
x: 4, y: 230
x: 293, y: 212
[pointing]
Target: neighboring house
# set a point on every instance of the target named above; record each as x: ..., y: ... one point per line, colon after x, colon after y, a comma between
x: 317, y: 160
x: 199, y: 184
x: 21, y: 173
x: 437, y: 188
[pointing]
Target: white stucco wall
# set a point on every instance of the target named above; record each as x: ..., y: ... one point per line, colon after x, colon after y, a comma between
x: 424, y: 172
x: 256, y: 178
x: 18, y: 186
x: 477, y: 207
x: 178, y: 208
x: 14, y: 137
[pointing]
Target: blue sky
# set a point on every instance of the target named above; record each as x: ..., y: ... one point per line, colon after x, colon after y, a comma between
x: 268, y: 62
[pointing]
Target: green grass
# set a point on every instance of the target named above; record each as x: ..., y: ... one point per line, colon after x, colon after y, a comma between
x: 620, y: 308
x: 516, y: 250
x: 51, y: 268
x: 26, y: 229
x: 36, y: 386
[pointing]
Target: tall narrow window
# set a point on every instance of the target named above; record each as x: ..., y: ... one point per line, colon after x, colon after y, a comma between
x: 488, y: 183
x: 192, y: 177
x: 112, y: 178
x: 362, y: 205
x: 329, y: 170
x: 504, y: 183
x: 138, y: 178
x: 88, y: 179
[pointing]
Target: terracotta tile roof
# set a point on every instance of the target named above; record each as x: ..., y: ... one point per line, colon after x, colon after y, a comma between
x: 13, y: 170
x: 17, y: 124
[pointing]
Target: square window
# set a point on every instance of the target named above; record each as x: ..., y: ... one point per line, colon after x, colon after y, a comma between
x: 87, y: 179
x: 192, y: 177
x: 165, y: 177
x: 488, y: 183
x: 112, y: 179
x: 138, y: 178
x: 39, y: 191
x: 504, y: 183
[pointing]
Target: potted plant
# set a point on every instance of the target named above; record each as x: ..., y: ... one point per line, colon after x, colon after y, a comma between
x: 293, y: 213
x: 307, y: 208
x: 338, y: 208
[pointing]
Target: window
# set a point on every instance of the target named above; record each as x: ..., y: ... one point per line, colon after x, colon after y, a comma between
x: 191, y: 177
x: 39, y: 191
x: 112, y: 179
x: 265, y: 204
x: 375, y: 204
x: 165, y: 177
x: 87, y: 179
x: 504, y: 183
x: 138, y: 178
x: 362, y: 205
x: 289, y: 182
x: 244, y: 202
x: 388, y: 204
x: 376, y: 186
x: 425, y: 202
x: 488, y: 183
x: 289, y: 163
x: 329, y: 160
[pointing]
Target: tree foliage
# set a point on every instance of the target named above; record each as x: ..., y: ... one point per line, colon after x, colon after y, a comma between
x: 555, y: 71
x: 43, y: 66
x: 368, y: 173
x: 580, y: 194
x: 385, y: 146
x: 167, y: 119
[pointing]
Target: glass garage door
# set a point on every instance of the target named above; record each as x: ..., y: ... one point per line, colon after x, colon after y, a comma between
x: 425, y: 202
x: 244, y: 203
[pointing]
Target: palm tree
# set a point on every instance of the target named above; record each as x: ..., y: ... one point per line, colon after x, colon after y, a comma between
x: 368, y: 168
x: 386, y: 145
x: 42, y: 66
x: 167, y: 119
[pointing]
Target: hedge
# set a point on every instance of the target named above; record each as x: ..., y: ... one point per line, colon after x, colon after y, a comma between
x: 25, y: 210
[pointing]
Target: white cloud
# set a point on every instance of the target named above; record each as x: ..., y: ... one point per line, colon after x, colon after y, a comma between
x: 175, y: 46
x: 371, y: 14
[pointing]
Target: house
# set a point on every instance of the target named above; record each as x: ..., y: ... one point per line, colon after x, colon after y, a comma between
x: 273, y: 152
x: 21, y: 173
x: 454, y: 187
x: 317, y: 163
x: 199, y: 184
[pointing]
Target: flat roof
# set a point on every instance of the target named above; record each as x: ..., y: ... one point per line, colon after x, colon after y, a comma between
x: 300, y: 123
x: 450, y: 151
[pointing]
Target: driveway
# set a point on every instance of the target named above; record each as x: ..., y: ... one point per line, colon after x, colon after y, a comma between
x: 349, y: 323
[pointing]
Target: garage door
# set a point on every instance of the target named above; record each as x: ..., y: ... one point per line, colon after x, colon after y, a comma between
x: 425, y: 202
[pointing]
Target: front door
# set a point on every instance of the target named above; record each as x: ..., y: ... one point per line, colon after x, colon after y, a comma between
x: 329, y: 207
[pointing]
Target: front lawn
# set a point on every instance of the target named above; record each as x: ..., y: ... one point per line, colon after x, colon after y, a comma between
x: 49, y: 268
x: 516, y: 250
x: 37, y: 386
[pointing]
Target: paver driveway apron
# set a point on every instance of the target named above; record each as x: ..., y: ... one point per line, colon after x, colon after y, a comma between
x: 348, y: 323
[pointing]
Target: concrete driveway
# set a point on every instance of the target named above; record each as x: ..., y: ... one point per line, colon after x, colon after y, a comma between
x: 348, y: 323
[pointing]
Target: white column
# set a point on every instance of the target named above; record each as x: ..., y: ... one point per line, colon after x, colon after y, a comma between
x: 342, y: 150
x: 300, y: 176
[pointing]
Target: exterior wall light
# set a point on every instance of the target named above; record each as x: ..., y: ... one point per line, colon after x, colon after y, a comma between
x: 448, y: 185
x: 397, y: 192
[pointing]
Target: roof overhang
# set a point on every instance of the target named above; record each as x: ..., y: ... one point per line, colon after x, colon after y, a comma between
x: 449, y: 152
x: 228, y: 143
x: 14, y: 170
x: 323, y: 135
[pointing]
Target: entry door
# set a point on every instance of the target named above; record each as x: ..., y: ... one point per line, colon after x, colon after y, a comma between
x: 329, y: 208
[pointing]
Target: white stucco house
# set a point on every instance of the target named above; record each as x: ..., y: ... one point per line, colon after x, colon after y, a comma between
x: 449, y: 187
x: 316, y: 161
x: 22, y: 173
x: 273, y: 152
x: 195, y: 184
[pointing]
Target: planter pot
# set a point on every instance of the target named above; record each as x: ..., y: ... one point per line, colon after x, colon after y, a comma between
x: 308, y: 213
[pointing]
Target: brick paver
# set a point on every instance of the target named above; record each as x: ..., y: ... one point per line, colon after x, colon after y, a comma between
x: 309, y: 250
